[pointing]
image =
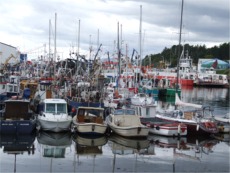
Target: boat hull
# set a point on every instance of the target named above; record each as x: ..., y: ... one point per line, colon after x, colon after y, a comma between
x: 54, y: 125
x: 131, y: 131
x: 17, y: 126
x: 194, y: 128
x: 90, y: 128
x: 175, y: 129
x: 165, y: 128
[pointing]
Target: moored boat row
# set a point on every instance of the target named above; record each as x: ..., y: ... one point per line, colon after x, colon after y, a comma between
x: 17, y: 117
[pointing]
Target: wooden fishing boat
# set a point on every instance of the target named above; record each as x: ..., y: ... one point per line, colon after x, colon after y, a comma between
x: 17, y: 117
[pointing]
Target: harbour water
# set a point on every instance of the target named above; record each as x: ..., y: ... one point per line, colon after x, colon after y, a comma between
x: 65, y: 152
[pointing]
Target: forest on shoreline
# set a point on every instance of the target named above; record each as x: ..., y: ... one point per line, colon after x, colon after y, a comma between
x: 169, y: 56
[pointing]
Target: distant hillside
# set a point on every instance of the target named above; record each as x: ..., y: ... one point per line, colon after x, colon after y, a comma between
x: 170, y: 55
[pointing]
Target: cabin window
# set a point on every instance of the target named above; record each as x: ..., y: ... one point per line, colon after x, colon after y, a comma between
x: 81, y: 112
x: 147, y: 112
x: 61, y: 108
x: 50, y: 108
x: 130, y: 112
x: 15, y: 88
x: 42, y: 87
x: 140, y: 112
x: 119, y: 112
x: 10, y: 88
x: 12, y: 80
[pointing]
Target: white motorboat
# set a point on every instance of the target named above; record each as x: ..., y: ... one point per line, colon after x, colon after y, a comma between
x: 158, y: 126
x: 54, y: 116
x: 89, y: 120
x: 161, y: 127
x: 142, y: 99
x: 199, y: 120
x: 126, y: 122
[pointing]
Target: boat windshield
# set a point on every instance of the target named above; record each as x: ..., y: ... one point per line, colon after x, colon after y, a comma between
x: 124, y: 112
x: 61, y: 108
x: 51, y: 108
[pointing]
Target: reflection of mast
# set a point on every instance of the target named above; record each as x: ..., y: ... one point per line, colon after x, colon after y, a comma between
x: 51, y: 163
x: 15, y: 162
x: 114, y: 161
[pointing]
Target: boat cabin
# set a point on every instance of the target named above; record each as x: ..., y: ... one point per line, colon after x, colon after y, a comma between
x: 90, y: 114
x: 17, y: 110
x: 54, y: 106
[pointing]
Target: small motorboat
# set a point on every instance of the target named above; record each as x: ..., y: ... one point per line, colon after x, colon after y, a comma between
x: 160, y: 127
x: 89, y: 120
x: 54, y: 116
x: 126, y: 122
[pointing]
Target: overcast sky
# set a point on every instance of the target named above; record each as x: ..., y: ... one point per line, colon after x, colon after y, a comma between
x: 25, y: 24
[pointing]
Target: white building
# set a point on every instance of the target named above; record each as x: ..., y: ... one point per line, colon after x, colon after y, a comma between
x: 8, y: 53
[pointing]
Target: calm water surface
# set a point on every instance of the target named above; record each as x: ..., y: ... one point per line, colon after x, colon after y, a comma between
x: 64, y: 152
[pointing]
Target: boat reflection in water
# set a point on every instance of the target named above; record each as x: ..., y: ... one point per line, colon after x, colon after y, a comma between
x: 89, y: 140
x: 88, y: 147
x: 123, y: 146
x: 16, y: 144
x: 223, y: 137
x: 189, y: 147
x: 53, y: 144
x: 121, y: 143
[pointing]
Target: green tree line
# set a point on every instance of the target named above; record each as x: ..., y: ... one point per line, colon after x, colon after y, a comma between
x: 170, y: 56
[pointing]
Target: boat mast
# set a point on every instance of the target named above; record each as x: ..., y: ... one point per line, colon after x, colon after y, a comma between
x: 140, y: 39
x: 55, y: 50
x: 49, y: 37
x: 178, y: 59
x: 118, y: 51
x: 78, y: 45
x: 78, y: 39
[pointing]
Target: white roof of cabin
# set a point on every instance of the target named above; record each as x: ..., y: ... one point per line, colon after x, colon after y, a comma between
x: 54, y: 101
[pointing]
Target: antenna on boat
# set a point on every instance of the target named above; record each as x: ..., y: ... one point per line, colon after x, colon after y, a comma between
x: 178, y: 59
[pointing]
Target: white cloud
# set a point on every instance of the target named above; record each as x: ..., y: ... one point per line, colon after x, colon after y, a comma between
x: 25, y: 23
